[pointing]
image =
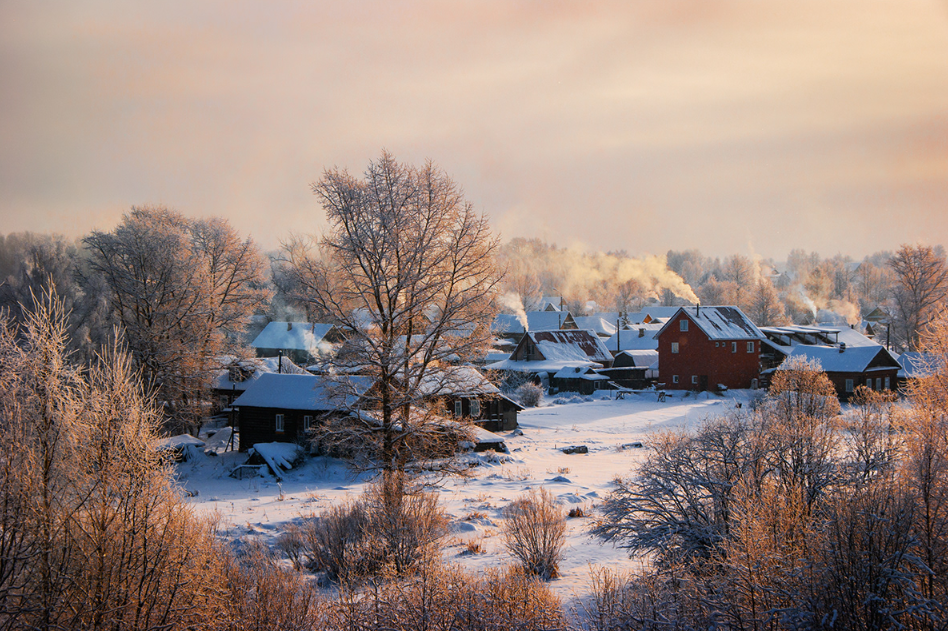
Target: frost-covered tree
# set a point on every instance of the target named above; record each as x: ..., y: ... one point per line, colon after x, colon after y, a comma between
x: 922, y: 287
x: 406, y: 266
x: 181, y: 290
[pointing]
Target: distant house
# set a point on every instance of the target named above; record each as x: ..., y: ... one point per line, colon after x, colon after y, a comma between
x: 581, y: 379
x: 780, y: 340
x: 552, y: 303
x: 512, y: 326
x: 652, y: 314
x: 236, y: 376
x: 599, y: 326
x: 848, y: 367
x: 707, y: 347
x: 877, y: 314
x: 544, y: 353
x: 640, y: 337
x: 914, y: 365
x: 303, y: 342
x: 283, y: 408
x: 468, y: 394
x: 633, y: 369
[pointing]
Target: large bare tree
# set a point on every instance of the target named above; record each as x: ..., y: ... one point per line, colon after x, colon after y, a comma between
x: 922, y: 287
x: 407, y: 267
x: 182, y: 291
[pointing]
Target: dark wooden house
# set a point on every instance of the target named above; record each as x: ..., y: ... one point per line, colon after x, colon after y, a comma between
x: 848, y: 367
x: 633, y: 369
x: 282, y: 408
x: 303, y: 342
x: 467, y: 394
x: 702, y: 348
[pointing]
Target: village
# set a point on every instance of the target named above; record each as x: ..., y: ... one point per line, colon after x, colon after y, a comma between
x: 288, y: 388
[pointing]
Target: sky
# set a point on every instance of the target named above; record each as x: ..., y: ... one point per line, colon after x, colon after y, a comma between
x: 735, y: 126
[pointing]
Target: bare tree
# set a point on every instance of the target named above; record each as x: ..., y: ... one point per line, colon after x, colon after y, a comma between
x: 922, y: 277
x: 181, y: 290
x: 407, y: 268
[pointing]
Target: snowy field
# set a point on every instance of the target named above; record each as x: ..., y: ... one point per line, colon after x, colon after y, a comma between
x: 262, y: 506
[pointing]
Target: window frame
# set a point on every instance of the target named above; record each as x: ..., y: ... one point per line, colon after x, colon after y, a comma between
x: 307, y: 422
x: 475, y: 408
x: 683, y: 325
x: 849, y: 385
x: 459, y: 408
x: 279, y: 423
x: 674, y: 378
x: 674, y: 348
x: 750, y: 347
x: 733, y: 347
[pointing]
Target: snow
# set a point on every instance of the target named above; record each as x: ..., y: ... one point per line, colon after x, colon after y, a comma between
x: 303, y: 392
x: 595, y: 324
x: 262, y: 507
x: 301, y: 336
x: 721, y: 323
x: 832, y: 360
x: 641, y: 337
x: 278, y: 456
x: 177, y: 442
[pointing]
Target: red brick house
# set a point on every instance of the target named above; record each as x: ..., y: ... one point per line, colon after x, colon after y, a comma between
x: 702, y: 348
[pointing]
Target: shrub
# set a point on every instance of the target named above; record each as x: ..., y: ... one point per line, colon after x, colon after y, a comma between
x: 530, y: 395
x: 534, y: 532
x: 391, y: 527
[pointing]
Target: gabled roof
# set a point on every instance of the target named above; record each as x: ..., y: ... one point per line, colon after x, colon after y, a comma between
x: 631, y: 339
x: 456, y: 380
x: 915, y: 365
x: 536, y: 321
x: 856, y: 359
x: 304, y: 392
x: 639, y: 359
x: 579, y: 372
x: 556, y: 302
x: 558, y: 349
x: 719, y: 323
x: 595, y: 324
x: 238, y: 375
x: 300, y: 336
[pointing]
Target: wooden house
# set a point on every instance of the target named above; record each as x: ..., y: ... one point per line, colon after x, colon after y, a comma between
x: 238, y: 374
x: 467, y: 394
x: 709, y: 347
x: 303, y: 342
x: 581, y: 379
x: 282, y: 408
x: 848, y: 367
x: 634, y: 369
x: 513, y: 326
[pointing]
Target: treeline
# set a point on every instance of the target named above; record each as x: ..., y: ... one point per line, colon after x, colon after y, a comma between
x: 909, y: 284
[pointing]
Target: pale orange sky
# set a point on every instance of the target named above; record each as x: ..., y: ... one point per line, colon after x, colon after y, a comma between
x: 724, y: 126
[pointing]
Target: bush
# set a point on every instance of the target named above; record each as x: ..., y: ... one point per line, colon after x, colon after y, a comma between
x: 530, y: 395
x: 448, y: 598
x: 390, y: 528
x: 534, y: 532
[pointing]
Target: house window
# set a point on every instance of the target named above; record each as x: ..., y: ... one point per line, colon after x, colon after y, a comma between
x: 279, y: 423
x: 225, y: 400
x: 878, y: 383
x: 694, y: 380
x: 458, y: 408
x: 887, y: 387
x: 733, y: 347
x: 674, y: 347
x: 754, y: 384
x: 475, y: 408
x: 683, y: 325
x: 849, y: 385
x: 674, y: 378
x: 750, y: 347
x: 307, y: 421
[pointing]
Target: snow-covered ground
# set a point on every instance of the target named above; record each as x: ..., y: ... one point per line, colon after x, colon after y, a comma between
x: 262, y: 506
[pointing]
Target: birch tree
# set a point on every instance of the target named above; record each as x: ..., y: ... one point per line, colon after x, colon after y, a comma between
x: 407, y: 267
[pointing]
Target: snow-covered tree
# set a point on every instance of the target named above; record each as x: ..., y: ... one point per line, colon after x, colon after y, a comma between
x: 406, y: 267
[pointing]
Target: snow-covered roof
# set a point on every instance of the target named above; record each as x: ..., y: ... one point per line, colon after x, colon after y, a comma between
x: 653, y: 313
x: 786, y: 337
x: 456, y: 380
x: 545, y: 365
x: 555, y: 301
x: 595, y: 324
x: 304, y: 392
x: 641, y: 358
x: 850, y: 360
x: 240, y: 374
x: 579, y: 372
x: 300, y: 336
x: 721, y: 323
x: 571, y: 345
x: 536, y: 321
x: 641, y: 337
x: 915, y: 365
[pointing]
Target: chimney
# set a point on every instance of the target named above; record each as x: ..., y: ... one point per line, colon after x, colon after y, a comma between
x: 289, y: 326
x: 842, y: 347
x: 641, y: 332
x: 698, y: 310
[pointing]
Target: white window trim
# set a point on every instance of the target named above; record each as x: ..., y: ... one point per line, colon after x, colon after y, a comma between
x: 279, y: 424
x: 674, y: 378
x: 458, y: 407
x: 475, y: 408
x: 849, y: 385
x: 733, y: 347
x: 307, y: 422
x: 675, y: 347
x: 683, y: 325
x: 750, y: 347
x: 694, y: 379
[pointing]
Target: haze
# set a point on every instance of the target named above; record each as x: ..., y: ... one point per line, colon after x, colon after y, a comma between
x: 644, y: 126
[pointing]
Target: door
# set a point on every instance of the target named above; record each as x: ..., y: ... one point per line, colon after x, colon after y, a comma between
x: 703, y: 383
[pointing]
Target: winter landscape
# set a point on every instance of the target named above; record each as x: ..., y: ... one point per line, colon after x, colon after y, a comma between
x: 474, y: 316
